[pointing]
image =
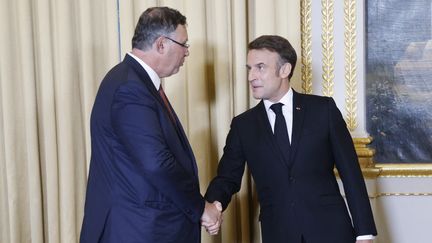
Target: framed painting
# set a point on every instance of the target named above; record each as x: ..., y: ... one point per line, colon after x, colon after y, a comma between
x: 399, y: 80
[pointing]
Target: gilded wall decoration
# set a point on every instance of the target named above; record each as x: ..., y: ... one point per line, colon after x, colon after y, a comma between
x: 306, y: 45
x: 327, y: 36
x: 350, y: 64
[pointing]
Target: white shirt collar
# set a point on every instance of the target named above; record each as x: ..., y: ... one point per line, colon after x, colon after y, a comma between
x: 153, y: 75
x: 287, y: 100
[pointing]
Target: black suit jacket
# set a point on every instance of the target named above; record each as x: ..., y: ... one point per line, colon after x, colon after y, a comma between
x: 143, y: 180
x: 298, y: 197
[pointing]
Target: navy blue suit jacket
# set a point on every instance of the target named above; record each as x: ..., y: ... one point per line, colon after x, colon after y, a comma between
x: 299, y: 196
x: 143, y: 180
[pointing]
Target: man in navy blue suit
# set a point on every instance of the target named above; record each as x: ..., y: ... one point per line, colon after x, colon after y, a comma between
x: 143, y: 179
x: 291, y: 142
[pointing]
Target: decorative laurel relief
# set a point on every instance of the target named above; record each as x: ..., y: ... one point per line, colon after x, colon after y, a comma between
x: 306, y: 45
x: 328, y: 46
x: 350, y: 64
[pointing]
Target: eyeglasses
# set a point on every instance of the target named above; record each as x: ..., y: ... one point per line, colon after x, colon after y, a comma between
x: 178, y: 43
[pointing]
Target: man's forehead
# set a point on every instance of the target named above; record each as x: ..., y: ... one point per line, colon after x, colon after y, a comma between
x: 181, y: 30
x: 261, y: 56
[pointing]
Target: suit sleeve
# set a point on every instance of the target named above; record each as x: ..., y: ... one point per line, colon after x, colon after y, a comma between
x: 350, y: 173
x: 230, y: 170
x: 135, y: 119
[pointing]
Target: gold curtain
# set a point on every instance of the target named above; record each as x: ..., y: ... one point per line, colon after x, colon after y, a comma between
x: 54, y: 53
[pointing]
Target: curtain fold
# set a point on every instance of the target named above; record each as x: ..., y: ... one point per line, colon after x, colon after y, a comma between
x: 54, y: 54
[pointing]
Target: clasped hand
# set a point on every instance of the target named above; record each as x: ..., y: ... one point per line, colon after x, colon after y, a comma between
x: 212, y: 217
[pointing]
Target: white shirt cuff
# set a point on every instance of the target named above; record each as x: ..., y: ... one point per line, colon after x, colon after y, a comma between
x: 365, y: 237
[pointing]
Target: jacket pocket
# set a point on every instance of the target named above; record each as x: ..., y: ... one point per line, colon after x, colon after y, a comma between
x: 159, y: 205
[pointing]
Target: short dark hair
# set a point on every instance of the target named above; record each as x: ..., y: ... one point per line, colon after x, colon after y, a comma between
x: 155, y: 22
x: 279, y: 45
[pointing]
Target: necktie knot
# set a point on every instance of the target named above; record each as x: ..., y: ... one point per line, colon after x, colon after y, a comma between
x: 277, y: 108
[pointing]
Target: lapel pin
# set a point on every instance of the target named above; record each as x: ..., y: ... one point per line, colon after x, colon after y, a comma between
x: 298, y: 108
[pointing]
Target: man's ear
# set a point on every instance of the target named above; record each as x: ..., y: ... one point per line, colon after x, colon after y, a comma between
x: 159, y: 44
x: 285, y: 70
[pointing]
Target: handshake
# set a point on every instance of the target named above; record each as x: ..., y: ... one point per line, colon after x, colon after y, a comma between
x: 212, y: 217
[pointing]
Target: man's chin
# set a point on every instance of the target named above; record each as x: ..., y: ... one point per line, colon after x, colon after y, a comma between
x: 175, y: 71
x: 257, y: 96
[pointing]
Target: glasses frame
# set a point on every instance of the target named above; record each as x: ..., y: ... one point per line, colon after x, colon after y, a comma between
x: 178, y: 43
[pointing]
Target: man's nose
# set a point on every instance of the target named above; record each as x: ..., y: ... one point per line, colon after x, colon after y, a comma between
x: 251, y: 75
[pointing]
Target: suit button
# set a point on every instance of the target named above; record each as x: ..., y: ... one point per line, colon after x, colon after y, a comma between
x: 291, y: 179
x: 188, y: 211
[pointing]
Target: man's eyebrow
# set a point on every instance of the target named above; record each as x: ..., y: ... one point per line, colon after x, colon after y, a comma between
x: 256, y: 65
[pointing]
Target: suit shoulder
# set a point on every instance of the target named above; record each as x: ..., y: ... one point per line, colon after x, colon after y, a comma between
x: 251, y: 112
x: 120, y: 74
x: 247, y: 115
x: 121, y: 83
x: 315, y: 100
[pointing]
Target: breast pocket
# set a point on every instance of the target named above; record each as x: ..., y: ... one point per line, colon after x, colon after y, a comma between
x: 315, y: 131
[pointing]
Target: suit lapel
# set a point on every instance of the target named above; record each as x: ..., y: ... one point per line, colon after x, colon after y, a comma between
x: 298, y: 117
x: 267, y: 133
x: 145, y: 78
x: 185, y: 142
x: 183, y: 138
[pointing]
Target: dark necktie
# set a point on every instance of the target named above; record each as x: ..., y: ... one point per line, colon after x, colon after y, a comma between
x: 281, y: 131
x: 167, y: 106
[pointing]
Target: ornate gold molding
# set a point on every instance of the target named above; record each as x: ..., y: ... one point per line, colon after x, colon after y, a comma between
x: 405, y: 194
x: 306, y: 45
x: 327, y: 37
x: 405, y: 170
x: 399, y: 194
x: 364, y: 153
x: 365, y: 157
x: 350, y: 64
x: 372, y: 170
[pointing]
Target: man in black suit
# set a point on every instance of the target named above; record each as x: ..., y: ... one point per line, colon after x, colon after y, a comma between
x: 291, y: 143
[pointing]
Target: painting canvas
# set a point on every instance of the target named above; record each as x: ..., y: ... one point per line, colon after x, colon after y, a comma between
x: 399, y: 80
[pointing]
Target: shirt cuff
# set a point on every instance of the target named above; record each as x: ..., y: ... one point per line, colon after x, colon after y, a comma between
x: 365, y: 237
